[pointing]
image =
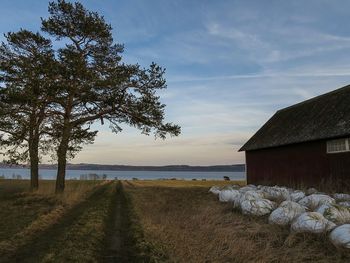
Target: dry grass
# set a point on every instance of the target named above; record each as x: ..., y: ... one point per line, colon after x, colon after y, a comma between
x: 73, y: 192
x: 182, y: 183
x: 190, y: 225
x: 25, y: 215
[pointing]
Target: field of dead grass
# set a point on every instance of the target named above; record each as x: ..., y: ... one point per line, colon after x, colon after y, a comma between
x: 182, y: 183
x: 188, y: 224
x: 25, y: 215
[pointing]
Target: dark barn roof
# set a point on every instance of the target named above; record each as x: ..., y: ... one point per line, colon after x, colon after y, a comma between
x: 323, y: 117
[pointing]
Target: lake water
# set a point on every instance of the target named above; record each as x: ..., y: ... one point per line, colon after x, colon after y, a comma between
x: 124, y: 175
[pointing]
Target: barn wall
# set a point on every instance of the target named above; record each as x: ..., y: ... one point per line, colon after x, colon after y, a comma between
x: 306, y: 163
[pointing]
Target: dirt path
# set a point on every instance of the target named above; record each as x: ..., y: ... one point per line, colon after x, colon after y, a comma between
x: 114, y: 245
x: 101, y: 228
x: 121, y: 241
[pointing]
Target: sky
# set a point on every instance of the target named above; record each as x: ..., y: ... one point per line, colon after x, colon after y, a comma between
x: 230, y: 65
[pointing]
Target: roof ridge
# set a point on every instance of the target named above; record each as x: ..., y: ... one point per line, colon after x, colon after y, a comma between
x: 315, y: 98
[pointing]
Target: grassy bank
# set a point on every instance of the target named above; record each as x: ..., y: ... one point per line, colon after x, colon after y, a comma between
x: 189, y: 225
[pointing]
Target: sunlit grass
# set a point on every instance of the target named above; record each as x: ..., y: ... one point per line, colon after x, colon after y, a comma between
x: 74, y: 190
x: 26, y: 214
x: 184, y: 183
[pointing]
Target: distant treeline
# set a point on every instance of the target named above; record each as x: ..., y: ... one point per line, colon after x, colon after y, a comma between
x: 185, y: 168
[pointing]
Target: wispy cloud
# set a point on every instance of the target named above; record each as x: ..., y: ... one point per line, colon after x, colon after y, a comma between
x: 230, y: 66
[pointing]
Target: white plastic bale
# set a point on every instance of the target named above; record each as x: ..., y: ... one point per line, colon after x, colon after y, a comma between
x: 311, y: 191
x: 337, y: 214
x: 312, y: 222
x: 237, y: 201
x: 345, y: 203
x: 215, y: 190
x: 251, y: 186
x: 247, y: 188
x: 257, y: 207
x: 228, y: 195
x: 286, y: 213
x: 248, y: 195
x: 276, y: 193
x: 315, y: 200
x: 340, y: 236
x: 341, y: 197
x: 230, y: 187
x: 297, y: 195
x: 322, y: 208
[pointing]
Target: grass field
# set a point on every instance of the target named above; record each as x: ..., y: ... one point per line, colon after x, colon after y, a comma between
x: 142, y: 221
x: 188, y: 224
x: 28, y: 219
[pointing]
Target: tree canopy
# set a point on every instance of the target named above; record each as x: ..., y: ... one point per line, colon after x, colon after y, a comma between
x: 84, y: 81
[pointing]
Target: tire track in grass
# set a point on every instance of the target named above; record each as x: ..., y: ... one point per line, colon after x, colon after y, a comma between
x: 125, y: 240
x: 121, y: 245
x: 114, y: 240
x: 77, y: 237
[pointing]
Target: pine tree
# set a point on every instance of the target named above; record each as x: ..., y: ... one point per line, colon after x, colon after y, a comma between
x: 95, y: 85
x: 27, y: 65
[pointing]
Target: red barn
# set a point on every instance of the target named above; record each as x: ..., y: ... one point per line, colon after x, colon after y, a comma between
x: 307, y: 143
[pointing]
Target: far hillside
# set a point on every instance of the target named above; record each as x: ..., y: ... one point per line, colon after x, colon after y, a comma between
x: 185, y: 168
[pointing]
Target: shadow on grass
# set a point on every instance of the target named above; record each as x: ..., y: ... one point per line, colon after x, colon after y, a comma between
x: 38, y: 246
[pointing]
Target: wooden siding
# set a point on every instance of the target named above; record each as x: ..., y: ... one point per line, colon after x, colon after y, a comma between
x: 306, y: 164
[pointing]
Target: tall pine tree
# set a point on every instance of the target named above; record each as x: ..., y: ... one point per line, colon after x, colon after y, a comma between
x: 27, y: 69
x: 95, y: 85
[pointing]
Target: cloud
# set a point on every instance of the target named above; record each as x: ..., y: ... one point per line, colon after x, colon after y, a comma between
x: 230, y: 66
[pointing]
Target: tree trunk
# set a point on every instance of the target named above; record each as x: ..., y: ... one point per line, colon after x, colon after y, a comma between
x: 34, y: 164
x: 62, y: 161
x: 33, y: 143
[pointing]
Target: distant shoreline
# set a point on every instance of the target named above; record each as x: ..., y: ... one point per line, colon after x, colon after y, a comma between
x: 176, y: 168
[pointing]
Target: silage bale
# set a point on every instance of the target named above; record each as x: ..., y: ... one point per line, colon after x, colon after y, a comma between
x: 345, y: 203
x: 337, y: 214
x: 247, y: 188
x: 215, y: 189
x: 257, y: 207
x: 341, y: 197
x: 315, y: 200
x: 276, y: 193
x: 297, y: 195
x: 251, y: 185
x: 340, y: 236
x: 322, y: 208
x: 228, y: 195
x: 237, y: 201
x: 286, y: 213
x: 235, y: 186
x: 311, y: 191
x: 311, y: 222
x: 230, y: 187
x: 248, y: 195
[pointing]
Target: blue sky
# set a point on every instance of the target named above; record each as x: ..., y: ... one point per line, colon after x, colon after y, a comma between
x: 230, y: 66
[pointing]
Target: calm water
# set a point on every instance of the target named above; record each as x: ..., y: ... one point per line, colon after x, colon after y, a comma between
x: 142, y: 175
